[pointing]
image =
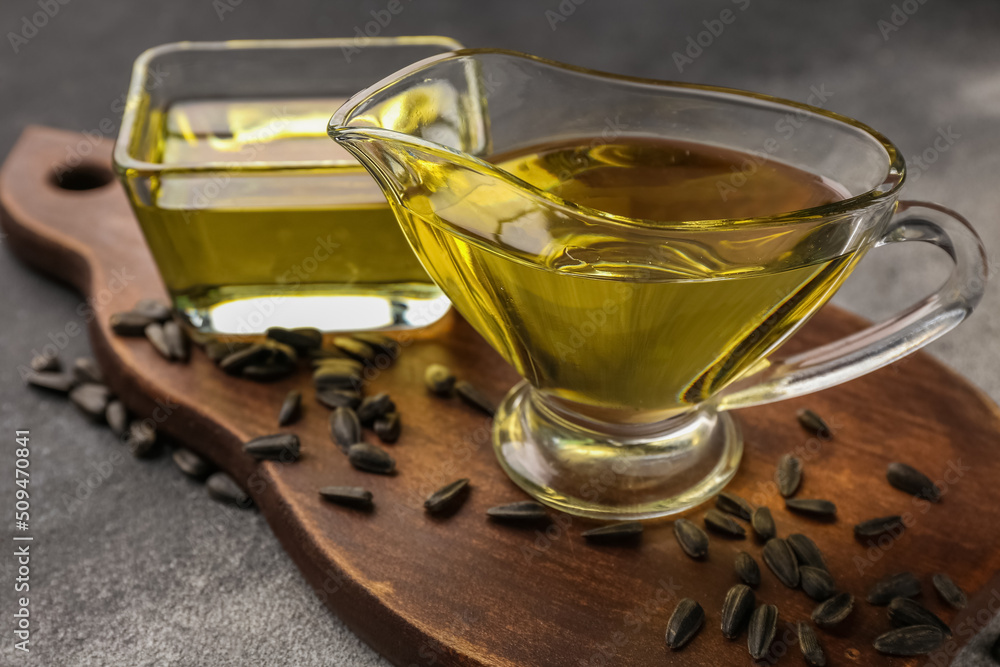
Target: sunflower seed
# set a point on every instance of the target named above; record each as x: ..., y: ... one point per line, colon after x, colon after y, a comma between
x: 789, y: 475
x: 914, y: 640
x: 91, y: 399
x: 813, y: 423
x: 339, y: 398
x: 779, y: 557
x: 156, y: 337
x: 117, y: 417
x: 355, y: 348
x: 344, y: 364
x: 439, y: 380
x: 223, y: 488
x: 524, y: 512
x: 722, y: 524
x: 693, y: 540
x: 475, y: 398
x: 388, y: 427
x: 374, y: 407
x: 912, y: 481
x: 191, y: 464
x: 812, y: 651
x: 235, y: 362
x: 218, y: 350
x: 45, y: 362
x: 806, y: 552
x: 736, y: 610
x: 336, y: 377
x: 348, y: 496
x: 833, y: 611
x: 60, y: 382
x: 302, y: 339
x: 267, y: 372
x: 141, y: 439
x: 129, y: 323
x: 85, y: 370
x: 949, y: 591
x: 812, y: 506
x: 381, y: 343
x: 816, y: 583
x: 448, y: 498
x: 684, y: 623
x: 291, y: 407
x: 616, y: 533
x: 904, y: 612
x: 276, y: 447
x: 345, y: 428
x: 370, y: 458
x: 902, y: 585
x: 731, y: 503
x: 325, y: 354
x: 763, y: 523
x: 177, y: 341
x: 279, y: 354
x: 153, y: 309
x: 763, y: 626
x: 747, y: 569
x: 879, y: 526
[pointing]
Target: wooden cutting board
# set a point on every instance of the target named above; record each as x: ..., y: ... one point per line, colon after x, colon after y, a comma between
x: 464, y: 591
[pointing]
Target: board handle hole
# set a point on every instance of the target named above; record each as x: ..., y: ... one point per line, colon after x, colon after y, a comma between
x: 82, y: 177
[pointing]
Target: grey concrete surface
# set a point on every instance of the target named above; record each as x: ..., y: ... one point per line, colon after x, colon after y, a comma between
x: 145, y: 570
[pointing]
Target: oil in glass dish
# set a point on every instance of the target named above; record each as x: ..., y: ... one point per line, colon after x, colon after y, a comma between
x: 247, y: 238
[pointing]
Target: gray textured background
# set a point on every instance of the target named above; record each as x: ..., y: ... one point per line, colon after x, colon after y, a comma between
x: 146, y: 570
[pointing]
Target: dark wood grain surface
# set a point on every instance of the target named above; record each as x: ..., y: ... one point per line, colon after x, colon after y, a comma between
x: 464, y: 591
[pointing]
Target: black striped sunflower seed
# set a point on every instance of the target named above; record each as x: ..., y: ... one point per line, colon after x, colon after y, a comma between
x: 763, y: 523
x: 223, y: 488
x: 736, y: 610
x: 816, y: 583
x: 684, y: 623
x: 156, y: 337
x: 337, y: 376
x: 116, y: 414
x: 815, y: 424
x: 356, y: 349
x: 833, y: 611
x: 812, y: 651
x: 191, y: 464
x: 47, y: 362
x: 339, y: 398
x: 303, y: 339
x: 812, y: 506
x: 382, y: 344
x: 448, y: 498
x: 806, y: 552
x: 91, y: 399
x: 781, y: 559
x: 345, y: 428
x: 153, y: 309
x: 473, y: 397
x: 370, y: 458
x: 722, y: 524
x: 910, y: 480
x: 439, y: 380
x: 85, y: 370
x: 693, y: 540
x: 788, y: 475
x: 177, y: 341
x: 763, y: 626
x: 234, y: 362
x: 525, y: 512
x: 904, y: 612
x: 267, y: 372
x: 141, y: 440
x: 276, y: 447
x: 388, y: 427
x: 291, y: 407
x: 902, y: 585
x: 348, y: 496
x: 949, y: 591
x: 56, y: 381
x: 373, y: 407
x: 628, y: 532
x: 730, y: 503
x: 879, y: 526
x: 129, y: 323
x: 914, y: 640
x: 747, y: 569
